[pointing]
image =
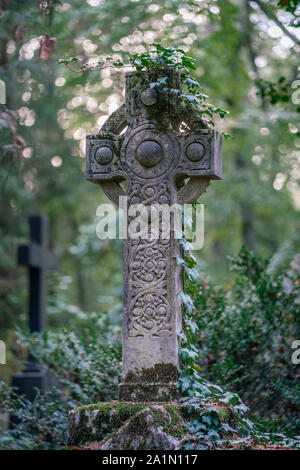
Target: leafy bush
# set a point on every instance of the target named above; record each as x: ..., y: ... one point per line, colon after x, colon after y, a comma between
x: 244, y: 337
x: 86, y: 368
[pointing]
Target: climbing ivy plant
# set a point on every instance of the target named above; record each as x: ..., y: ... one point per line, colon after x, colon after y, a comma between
x: 158, y: 58
x: 218, y: 419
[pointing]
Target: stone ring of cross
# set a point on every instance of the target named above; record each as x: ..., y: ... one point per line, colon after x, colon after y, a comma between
x: 145, y: 152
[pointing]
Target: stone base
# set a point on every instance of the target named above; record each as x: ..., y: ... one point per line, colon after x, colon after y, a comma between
x: 147, y: 392
x: 127, y: 426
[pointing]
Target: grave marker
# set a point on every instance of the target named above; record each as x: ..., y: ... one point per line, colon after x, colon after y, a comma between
x: 39, y: 259
x: 154, y: 156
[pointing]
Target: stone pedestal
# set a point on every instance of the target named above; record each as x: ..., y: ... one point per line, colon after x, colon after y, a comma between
x: 141, y: 426
x: 126, y: 425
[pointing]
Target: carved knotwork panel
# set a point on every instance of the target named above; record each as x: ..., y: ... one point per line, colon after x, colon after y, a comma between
x: 149, y: 305
x: 148, y: 265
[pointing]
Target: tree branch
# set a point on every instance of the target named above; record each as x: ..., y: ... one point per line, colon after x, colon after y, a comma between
x: 274, y: 18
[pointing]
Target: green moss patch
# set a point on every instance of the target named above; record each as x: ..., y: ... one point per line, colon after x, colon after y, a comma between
x: 94, y: 422
x: 155, y: 427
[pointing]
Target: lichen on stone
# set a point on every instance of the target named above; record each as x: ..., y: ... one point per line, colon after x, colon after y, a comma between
x: 156, y: 427
x: 94, y: 422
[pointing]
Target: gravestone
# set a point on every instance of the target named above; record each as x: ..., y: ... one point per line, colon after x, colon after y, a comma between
x: 39, y: 259
x: 154, y: 156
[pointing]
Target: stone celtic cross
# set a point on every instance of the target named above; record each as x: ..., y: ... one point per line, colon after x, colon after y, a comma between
x: 143, y: 143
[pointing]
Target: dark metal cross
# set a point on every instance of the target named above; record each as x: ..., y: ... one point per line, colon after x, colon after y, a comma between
x: 155, y: 156
x: 38, y: 258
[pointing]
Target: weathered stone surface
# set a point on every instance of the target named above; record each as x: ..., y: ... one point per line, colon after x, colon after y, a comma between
x: 94, y: 422
x: 124, y: 425
x: 154, y: 156
x: 153, y: 428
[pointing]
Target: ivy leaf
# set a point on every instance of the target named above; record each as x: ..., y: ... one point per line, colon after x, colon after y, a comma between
x: 227, y: 428
x: 187, y: 301
x: 192, y: 273
x: 192, y: 83
x: 179, y: 260
x: 67, y: 61
x: 163, y: 80
x: 186, y: 354
x: 185, y: 384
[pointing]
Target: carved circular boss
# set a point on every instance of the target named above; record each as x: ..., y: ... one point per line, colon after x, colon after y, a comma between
x: 149, y: 153
x: 104, y: 154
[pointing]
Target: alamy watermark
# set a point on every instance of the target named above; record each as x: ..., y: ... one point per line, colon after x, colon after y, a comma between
x: 296, y: 354
x: 2, y: 352
x: 296, y: 93
x: 151, y: 222
x: 2, y: 92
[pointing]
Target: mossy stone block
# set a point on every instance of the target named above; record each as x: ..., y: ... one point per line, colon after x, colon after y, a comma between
x: 95, y: 422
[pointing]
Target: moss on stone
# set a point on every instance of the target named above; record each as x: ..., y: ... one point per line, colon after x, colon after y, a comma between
x: 157, y: 426
x: 145, y: 392
x: 105, y: 408
x: 93, y: 422
x: 176, y: 424
x: 160, y: 372
x: 224, y: 414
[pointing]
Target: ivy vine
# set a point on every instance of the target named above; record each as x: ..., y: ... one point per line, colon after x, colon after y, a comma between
x: 158, y: 58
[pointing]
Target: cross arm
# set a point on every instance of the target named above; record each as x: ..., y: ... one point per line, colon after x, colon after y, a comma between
x: 34, y: 256
x: 201, y: 154
x: 201, y: 161
x: 103, y: 165
x: 103, y: 157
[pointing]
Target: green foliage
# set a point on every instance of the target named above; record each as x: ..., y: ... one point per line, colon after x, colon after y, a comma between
x: 244, y: 337
x: 165, y: 57
x: 216, y: 43
x: 276, y: 92
x: 231, y: 337
x: 85, y: 368
x: 288, y: 5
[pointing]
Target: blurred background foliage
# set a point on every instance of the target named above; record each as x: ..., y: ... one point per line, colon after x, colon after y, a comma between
x: 246, y: 54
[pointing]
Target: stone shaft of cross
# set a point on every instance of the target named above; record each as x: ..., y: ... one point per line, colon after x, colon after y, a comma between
x: 154, y: 156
